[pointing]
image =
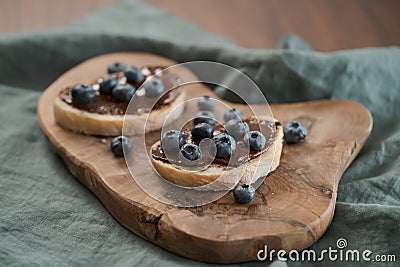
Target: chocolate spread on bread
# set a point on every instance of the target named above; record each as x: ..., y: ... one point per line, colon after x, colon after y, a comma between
x: 105, y: 104
x: 242, y: 153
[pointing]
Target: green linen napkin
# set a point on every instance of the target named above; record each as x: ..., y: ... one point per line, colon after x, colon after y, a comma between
x: 48, y: 218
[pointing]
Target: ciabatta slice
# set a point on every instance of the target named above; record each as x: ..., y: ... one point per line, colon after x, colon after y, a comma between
x: 219, y: 177
x: 82, y: 121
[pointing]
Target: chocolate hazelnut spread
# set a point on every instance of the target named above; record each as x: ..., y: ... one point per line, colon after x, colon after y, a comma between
x: 105, y: 104
x: 242, y: 153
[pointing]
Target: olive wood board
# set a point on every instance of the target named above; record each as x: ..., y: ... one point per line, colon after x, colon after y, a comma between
x: 292, y: 209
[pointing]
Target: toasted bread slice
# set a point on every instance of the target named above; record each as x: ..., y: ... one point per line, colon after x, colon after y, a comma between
x: 219, y: 177
x: 82, y: 121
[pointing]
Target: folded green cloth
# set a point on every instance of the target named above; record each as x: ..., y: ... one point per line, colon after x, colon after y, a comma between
x: 48, y: 218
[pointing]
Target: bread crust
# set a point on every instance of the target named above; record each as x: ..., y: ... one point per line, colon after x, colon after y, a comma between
x: 81, y: 121
x: 219, y: 177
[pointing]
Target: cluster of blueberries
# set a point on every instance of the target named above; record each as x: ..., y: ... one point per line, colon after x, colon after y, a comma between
x: 225, y: 143
x: 83, y: 94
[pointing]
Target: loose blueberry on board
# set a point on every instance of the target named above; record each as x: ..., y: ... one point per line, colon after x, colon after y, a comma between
x: 226, y: 145
x: 255, y: 140
x: 153, y: 88
x: 191, y: 152
x: 83, y: 94
x: 232, y: 114
x: 204, y: 116
x: 172, y: 141
x: 202, y: 130
x: 294, y: 132
x: 116, y: 67
x: 119, y: 145
x: 237, y: 128
x: 206, y: 103
x: 133, y: 75
x: 123, y: 92
x: 107, y: 85
x: 244, y: 193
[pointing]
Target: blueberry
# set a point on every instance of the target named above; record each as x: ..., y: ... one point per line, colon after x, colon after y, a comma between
x: 83, y: 94
x: 232, y: 114
x: 172, y: 141
x: 206, y: 103
x: 191, y: 152
x: 237, y: 128
x: 294, y: 132
x: 255, y: 140
x: 244, y: 193
x: 116, y: 67
x: 107, y: 85
x: 119, y: 145
x: 133, y: 75
x: 123, y: 92
x: 204, y: 116
x: 154, y: 88
x: 202, y: 130
x: 226, y: 145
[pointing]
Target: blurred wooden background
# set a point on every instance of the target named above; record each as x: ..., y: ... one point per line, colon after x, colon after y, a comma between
x: 327, y: 25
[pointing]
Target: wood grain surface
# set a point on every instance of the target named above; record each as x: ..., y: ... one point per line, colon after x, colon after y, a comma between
x: 327, y: 25
x: 292, y: 209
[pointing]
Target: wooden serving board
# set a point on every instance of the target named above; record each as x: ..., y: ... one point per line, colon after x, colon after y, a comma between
x: 292, y: 209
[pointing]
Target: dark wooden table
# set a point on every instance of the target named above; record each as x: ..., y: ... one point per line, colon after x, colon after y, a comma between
x: 327, y: 25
